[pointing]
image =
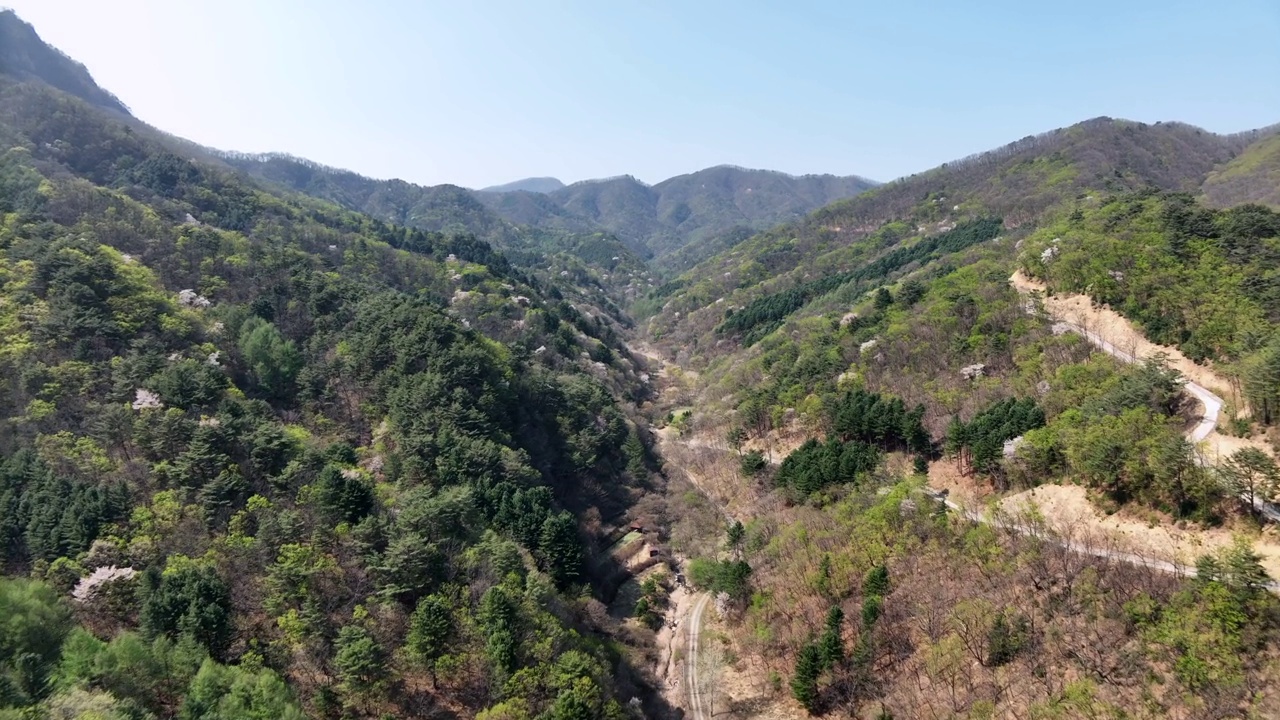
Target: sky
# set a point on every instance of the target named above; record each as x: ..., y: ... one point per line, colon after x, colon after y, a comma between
x: 480, y: 92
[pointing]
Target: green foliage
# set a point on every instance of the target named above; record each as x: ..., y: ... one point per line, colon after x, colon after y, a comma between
x: 222, y: 692
x: 148, y: 675
x: 272, y: 359
x: 1251, y: 474
x: 341, y: 496
x: 984, y: 436
x: 430, y: 628
x: 187, y: 599
x: 814, y: 466
x: 1006, y: 638
x: 831, y: 644
x: 327, y: 410
x: 1201, y: 279
x: 652, y: 605
x: 360, y: 660
x: 33, y: 624
x: 1260, y: 375
x: 752, y: 463
x: 876, y: 582
x: 862, y: 425
x: 804, y: 683
x: 764, y: 314
x: 735, y: 534
x: 44, y: 517
x: 560, y: 549
x: 731, y: 577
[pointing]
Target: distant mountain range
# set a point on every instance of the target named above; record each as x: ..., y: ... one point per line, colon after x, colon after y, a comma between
x: 693, y: 213
x: 534, y: 185
x: 663, y: 219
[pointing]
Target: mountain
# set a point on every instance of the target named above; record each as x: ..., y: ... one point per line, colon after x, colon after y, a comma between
x: 284, y: 441
x: 684, y: 213
x: 676, y: 223
x: 24, y: 56
x: 263, y: 453
x: 1251, y: 176
x: 444, y: 208
x: 839, y: 371
x: 1017, y: 182
x: 533, y: 185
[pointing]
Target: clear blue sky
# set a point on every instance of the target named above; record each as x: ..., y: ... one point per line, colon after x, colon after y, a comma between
x: 474, y: 92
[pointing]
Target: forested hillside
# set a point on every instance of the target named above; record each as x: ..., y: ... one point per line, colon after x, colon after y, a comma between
x: 24, y: 56
x: 688, y: 217
x: 878, y: 344
x: 1252, y: 176
x: 683, y: 212
x: 1018, y: 183
x: 265, y: 456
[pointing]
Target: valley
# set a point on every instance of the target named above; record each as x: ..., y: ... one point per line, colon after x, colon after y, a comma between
x: 281, y: 440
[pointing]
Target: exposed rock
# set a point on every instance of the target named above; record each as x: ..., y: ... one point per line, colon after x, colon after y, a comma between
x: 190, y: 298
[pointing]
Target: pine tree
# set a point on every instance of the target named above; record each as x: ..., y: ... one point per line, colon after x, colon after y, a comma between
x: 560, y: 548
x: 804, y: 684
x: 876, y: 581
x: 832, y: 643
x: 360, y: 661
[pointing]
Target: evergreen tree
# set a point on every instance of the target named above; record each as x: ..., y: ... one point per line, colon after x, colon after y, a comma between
x: 804, y: 683
x: 876, y: 581
x: 831, y: 644
x: 430, y: 628
x: 560, y: 548
x: 360, y: 661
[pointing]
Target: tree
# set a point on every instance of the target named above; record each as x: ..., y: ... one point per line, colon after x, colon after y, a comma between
x: 409, y: 567
x: 560, y: 549
x: 1005, y: 639
x: 736, y: 436
x: 343, y: 496
x: 734, y: 535
x: 1261, y: 380
x: 711, y: 667
x: 430, y: 628
x: 752, y: 462
x: 1251, y: 474
x: 187, y: 599
x: 883, y: 298
x: 33, y: 624
x: 876, y: 581
x: 222, y: 692
x: 804, y: 684
x: 273, y: 360
x: 831, y: 645
x: 360, y: 660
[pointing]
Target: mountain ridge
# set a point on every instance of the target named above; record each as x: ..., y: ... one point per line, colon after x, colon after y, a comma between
x: 24, y: 55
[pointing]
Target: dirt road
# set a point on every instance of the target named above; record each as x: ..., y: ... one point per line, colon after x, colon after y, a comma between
x: 692, y: 686
x: 1076, y: 313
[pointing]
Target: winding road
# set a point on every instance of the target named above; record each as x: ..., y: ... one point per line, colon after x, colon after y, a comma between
x: 1210, y: 401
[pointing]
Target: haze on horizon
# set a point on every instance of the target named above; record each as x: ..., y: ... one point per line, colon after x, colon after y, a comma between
x: 478, y: 94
